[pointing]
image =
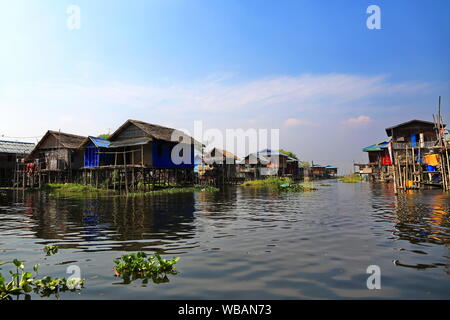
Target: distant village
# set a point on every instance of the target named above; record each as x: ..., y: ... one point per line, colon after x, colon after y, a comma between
x: 138, y: 155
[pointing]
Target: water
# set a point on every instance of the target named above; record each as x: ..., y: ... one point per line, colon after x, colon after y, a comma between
x: 242, y: 244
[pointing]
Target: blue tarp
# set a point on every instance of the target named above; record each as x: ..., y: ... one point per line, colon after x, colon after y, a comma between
x: 377, y: 147
x: 100, y: 142
x: 413, y: 140
x: 92, y: 158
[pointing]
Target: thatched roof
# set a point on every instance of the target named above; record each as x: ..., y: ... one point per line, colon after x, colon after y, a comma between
x: 222, y: 153
x: 65, y: 140
x: 418, y: 123
x: 219, y: 156
x: 156, y: 132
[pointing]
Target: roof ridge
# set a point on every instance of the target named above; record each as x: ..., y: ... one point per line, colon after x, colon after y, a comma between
x: 66, y: 134
x: 152, y: 124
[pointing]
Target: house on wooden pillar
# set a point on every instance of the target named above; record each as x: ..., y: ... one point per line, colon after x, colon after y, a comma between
x: 141, y: 144
x: 11, y: 153
x: 255, y: 166
x: 56, y: 158
x: 331, y: 171
x: 416, y: 154
x: 318, y: 171
x: 219, y: 165
x: 58, y: 151
x: 269, y: 162
x: 379, y: 167
x: 414, y: 133
x: 96, y: 152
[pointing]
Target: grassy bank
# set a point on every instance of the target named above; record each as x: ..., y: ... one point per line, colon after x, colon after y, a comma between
x: 351, y: 178
x: 279, y: 184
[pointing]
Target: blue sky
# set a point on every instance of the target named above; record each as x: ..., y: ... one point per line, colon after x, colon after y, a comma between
x: 310, y: 68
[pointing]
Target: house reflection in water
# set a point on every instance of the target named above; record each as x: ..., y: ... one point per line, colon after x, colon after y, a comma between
x: 155, y: 223
x: 421, y: 219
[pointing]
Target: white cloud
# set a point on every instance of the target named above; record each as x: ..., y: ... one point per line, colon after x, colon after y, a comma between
x: 293, y: 122
x: 212, y: 95
x: 89, y: 108
x: 358, y: 120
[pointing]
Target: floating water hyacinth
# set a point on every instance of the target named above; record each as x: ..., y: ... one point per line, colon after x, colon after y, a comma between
x: 23, y: 283
x: 140, y: 266
x: 51, y: 249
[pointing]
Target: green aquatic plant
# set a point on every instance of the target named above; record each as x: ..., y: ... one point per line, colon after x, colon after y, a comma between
x: 351, y: 178
x: 75, y: 190
x: 268, y: 182
x: 141, y: 266
x: 51, y: 249
x: 23, y: 283
x: 48, y: 285
x: 171, y: 190
x: 279, y: 184
x: 296, y: 188
x: 84, y: 191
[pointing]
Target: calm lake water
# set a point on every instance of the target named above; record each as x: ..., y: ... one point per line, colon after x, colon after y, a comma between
x: 240, y: 243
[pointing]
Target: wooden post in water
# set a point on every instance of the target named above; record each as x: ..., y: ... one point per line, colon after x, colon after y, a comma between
x: 125, y: 169
x: 24, y: 178
x: 133, y: 180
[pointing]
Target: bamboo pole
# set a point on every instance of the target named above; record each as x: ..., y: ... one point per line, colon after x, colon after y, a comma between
x: 444, y: 143
x: 406, y: 167
x: 395, y: 165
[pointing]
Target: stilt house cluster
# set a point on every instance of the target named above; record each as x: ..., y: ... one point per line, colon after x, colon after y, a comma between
x: 415, y: 157
x: 139, y: 156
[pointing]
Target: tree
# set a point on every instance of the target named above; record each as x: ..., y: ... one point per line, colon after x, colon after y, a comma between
x: 305, y: 164
x: 288, y: 153
x: 104, y: 135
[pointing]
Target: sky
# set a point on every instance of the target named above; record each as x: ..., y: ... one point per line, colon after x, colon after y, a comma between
x: 312, y: 69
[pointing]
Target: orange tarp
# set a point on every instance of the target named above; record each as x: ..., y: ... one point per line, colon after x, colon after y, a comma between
x: 432, y: 159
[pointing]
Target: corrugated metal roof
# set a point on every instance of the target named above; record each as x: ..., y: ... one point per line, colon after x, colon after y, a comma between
x: 129, y: 142
x: 16, y: 147
x: 100, y: 142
